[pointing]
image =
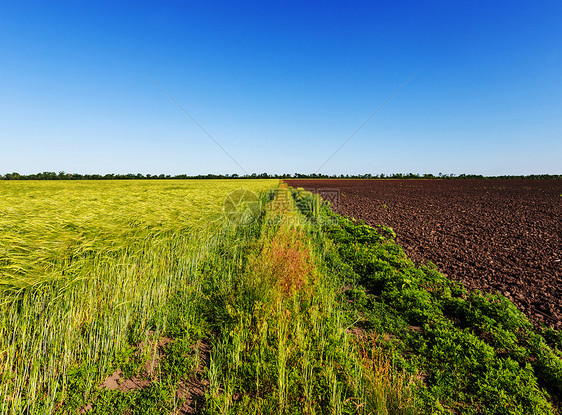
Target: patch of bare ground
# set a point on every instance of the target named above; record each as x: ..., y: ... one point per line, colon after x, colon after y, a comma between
x: 145, y: 377
x: 189, y: 392
x: 192, y: 391
x: 494, y: 235
x: 142, y: 380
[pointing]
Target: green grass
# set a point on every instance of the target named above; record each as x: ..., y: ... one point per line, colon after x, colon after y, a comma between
x: 87, y: 270
x: 281, y: 345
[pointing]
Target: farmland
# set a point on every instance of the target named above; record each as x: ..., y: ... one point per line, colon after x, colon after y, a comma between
x: 87, y: 266
x: 494, y: 235
x: 145, y: 297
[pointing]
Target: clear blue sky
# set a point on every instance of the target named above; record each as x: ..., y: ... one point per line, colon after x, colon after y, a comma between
x: 281, y: 86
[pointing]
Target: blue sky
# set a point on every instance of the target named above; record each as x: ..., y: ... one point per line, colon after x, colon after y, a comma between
x: 281, y: 86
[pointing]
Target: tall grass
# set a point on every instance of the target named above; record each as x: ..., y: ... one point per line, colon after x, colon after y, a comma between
x: 283, y: 345
x: 86, y: 268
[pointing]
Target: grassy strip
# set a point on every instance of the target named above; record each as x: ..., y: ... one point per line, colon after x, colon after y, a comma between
x: 473, y: 353
x: 280, y: 343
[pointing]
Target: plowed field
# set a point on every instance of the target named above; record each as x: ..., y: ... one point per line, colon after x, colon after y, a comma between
x: 493, y: 235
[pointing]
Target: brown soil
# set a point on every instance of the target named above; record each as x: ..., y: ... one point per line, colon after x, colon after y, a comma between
x: 190, y: 392
x: 116, y: 381
x: 493, y: 235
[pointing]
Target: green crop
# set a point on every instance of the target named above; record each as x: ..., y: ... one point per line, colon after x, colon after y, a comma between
x: 85, y: 271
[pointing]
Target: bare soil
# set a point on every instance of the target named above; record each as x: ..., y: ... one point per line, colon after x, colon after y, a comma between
x: 494, y: 235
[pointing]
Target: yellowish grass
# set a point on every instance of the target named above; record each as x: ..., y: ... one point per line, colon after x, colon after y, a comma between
x: 47, y: 226
x: 83, y: 263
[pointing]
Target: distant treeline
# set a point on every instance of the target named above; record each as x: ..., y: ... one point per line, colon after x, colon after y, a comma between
x: 76, y: 176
